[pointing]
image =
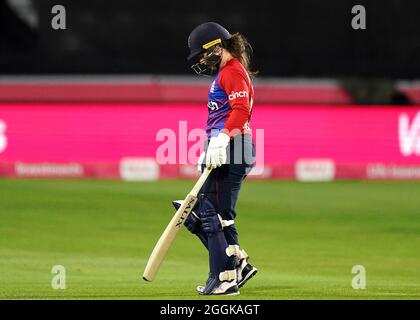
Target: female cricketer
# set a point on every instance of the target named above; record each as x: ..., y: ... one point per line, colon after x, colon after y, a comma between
x: 229, y: 152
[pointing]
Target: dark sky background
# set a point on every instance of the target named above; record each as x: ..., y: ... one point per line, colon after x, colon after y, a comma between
x: 299, y: 38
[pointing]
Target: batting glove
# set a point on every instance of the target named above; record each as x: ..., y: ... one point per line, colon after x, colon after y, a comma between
x: 216, y: 151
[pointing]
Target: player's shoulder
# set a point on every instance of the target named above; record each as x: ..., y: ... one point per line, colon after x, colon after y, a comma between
x: 233, y: 69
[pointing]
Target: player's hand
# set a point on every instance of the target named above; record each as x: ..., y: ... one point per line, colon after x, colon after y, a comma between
x: 200, y: 161
x: 217, y: 151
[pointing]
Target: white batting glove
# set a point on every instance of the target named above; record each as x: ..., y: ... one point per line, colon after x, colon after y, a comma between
x: 200, y: 161
x: 216, y: 151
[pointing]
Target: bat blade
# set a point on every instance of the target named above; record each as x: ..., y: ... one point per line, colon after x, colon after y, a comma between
x: 168, y: 237
x: 169, y: 234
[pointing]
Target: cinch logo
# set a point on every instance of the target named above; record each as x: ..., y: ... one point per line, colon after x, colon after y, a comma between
x: 409, y: 136
x: 3, y: 138
x: 240, y: 94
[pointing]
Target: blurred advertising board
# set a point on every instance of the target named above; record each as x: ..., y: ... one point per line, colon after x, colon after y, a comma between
x: 152, y: 141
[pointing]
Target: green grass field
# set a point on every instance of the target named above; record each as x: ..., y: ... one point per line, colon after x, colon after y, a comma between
x: 303, y: 237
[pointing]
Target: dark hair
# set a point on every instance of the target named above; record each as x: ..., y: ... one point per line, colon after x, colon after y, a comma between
x: 241, y: 49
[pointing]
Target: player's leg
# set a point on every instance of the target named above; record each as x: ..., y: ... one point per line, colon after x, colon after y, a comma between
x: 205, y: 222
x: 221, y: 193
x: 193, y: 222
x: 230, y: 191
x: 239, y: 258
x: 228, y: 184
x: 222, y: 276
x: 242, y: 155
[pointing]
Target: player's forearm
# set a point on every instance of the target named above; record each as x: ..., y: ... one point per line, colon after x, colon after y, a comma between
x: 236, y: 121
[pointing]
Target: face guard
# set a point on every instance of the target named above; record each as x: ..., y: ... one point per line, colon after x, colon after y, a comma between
x: 208, y: 63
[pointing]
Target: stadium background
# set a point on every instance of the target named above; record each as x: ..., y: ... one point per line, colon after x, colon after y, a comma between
x: 122, y: 66
x: 86, y: 103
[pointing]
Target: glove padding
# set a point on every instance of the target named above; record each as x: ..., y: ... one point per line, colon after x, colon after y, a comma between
x: 217, y: 151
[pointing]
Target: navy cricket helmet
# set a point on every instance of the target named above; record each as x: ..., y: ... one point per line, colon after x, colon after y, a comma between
x: 205, y: 36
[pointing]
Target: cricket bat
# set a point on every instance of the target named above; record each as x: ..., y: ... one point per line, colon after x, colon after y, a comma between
x: 168, y: 236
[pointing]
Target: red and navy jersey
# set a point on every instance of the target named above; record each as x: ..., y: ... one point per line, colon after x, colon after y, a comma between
x: 230, y: 100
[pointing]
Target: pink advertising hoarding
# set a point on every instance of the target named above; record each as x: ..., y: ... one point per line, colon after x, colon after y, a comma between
x: 78, y: 140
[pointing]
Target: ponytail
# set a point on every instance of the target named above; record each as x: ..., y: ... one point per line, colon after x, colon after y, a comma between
x: 241, y: 49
